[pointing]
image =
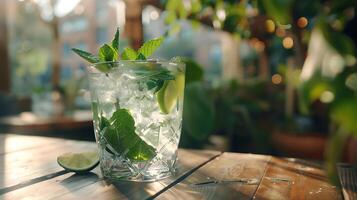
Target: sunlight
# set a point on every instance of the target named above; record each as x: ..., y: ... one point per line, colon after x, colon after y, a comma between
x: 63, y: 7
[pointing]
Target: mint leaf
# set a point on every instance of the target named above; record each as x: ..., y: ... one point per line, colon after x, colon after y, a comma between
x: 121, y: 137
x: 140, y: 57
x: 107, y: 53
x: 155, y: 78
x: 103, y: 67
x: 129, y: 54
x: 103, y: 122
x: 86, y: 55
x: 160, y: 74
x: 157, y: 84
x: 115, y: 42
x: 150, y: 47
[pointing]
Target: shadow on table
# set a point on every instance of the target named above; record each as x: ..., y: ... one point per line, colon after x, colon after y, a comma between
x: 136, y: 190
x: 309, y: 169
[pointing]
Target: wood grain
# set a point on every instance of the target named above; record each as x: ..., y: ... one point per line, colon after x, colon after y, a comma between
x: 93, y: 186
x: 27, y: 157
x: 229, y: 176
x: 295, y: 179
x: 11, y: 142
x: 28, y: 170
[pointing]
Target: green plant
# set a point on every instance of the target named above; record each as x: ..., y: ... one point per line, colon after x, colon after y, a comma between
x: 198, y: 113
x: 328, y: 45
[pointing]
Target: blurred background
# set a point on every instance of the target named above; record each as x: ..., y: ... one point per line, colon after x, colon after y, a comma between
x: 273, y: 77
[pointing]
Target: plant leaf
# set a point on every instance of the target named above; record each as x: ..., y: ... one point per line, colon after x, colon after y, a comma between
x: 115, y: 42
x: 150, y: 47
x: 129, y: 54
x: 86, y: 55
x: 107, y: 53
x: 121, y: 137
x: 140, y: 57
x: 194, y: 71
x: 344, y: 113
x: 198, y: 115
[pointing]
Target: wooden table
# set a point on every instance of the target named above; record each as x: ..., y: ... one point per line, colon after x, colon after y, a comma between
x: 76, y: 126
x: 28, y: 170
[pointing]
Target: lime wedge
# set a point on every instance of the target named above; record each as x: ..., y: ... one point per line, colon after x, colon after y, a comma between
x: 79, y: 162
x: 169, y: 93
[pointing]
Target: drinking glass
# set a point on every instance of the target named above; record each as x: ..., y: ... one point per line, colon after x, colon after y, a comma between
x: 137, y: 114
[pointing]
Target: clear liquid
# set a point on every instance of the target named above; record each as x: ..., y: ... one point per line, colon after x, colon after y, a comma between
x: 122, y: 89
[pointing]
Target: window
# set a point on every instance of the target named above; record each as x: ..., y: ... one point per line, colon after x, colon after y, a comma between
x: 66, y: 50
x: 202, y: 44
x: 74, y: 25
x: 101, y: 35
x: 30, y: 30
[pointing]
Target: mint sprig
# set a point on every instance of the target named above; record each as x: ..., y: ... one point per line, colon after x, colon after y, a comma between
x: 144, y: 51
x: 129, y: 54
x: 150, y: 47
x: 121, y: 137
x: 107, y: 53
x: 110, y: 52
x: 115, y: 41
x: 86, y: 55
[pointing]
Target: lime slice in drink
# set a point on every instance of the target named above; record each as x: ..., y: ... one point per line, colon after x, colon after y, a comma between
x: 79, y: 162
x: 169, y: 93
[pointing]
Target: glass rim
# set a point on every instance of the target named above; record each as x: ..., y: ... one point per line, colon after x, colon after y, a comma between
x: 92, y: 68
x: 158, y: 61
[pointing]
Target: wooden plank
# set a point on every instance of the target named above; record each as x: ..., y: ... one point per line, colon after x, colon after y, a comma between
x: 295, y: 179
x: 22, y: 164
x: 28, y: 122
x: 12, y: 142
x: 93, y: 186
x: 229, y: 176
x: 348, y: 178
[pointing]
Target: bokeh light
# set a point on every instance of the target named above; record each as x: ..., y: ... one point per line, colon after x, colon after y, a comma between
x: 276, y: 79
x: 288, y: 42
x: 327, y: 97
x: 270, y: 26
x: 302, y: 22
x: 280, y: 32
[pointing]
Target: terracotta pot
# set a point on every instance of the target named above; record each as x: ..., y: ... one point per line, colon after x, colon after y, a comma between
x: 308, y: 145
x: 351, y: 151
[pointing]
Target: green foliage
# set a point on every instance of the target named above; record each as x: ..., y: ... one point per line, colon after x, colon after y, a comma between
x: 110, y: 53
x: 241, y: 108
x: 121, y: 137
x: 330, y: 18
x: 115, y: 41
x: 194, y: 71
x: 129, y: 54
x: 150, y: 47
x: 198, y: 116
x: 334, y: 154
x: 344, y: 113
x: 351, y: 82
x: 340, y: 42
x: 175, y: 8
x: 279, y: 10
x: 155, y: 78
x: 140, y: 57
x: 107, y: 53
x: 86, y: 55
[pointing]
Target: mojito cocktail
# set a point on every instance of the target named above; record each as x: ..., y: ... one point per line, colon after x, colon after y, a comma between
x: 137, y: 111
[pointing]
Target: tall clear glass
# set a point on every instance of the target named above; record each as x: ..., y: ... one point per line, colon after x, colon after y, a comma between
x: 137, y: 113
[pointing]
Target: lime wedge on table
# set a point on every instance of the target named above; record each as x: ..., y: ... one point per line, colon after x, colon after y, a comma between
x: 169, y: 93
x: 79, y: 162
